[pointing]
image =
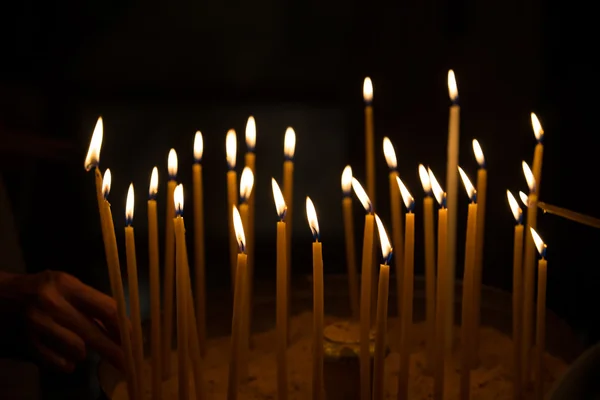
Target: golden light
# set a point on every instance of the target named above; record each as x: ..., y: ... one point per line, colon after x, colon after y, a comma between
x: 425, y: 181
x: 452, y: 88
x: 289, y: 143
x: 389, y: 153
x: 172, y: 164
x: 514, y: 206
x: 106, y: 181
x: 529, y: 177
x: 468, y: 185
x: 239, y: 230
x: 524, y: 198
x: 409, y: 201
x: 438, y: 192
x: 246, y: 184
x: 231, y: 148
x: 129, y: 205
x: 539, y: 243
x: 538, y: 131
x: 198, y: 146
x: 478, y: 154
x: 368, y: 90
x: 178, y: 199
x: 251, y: 133
x: 279, y: 200
x: 313, y: 222
x: 362, y: 195
x: 347, y: 180
x: 92, y: 159
x: 386, y: 247
x: 153, y: 183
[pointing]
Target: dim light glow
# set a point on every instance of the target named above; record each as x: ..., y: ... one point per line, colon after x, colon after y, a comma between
x: 468, y: 185
x: 106, y: 182
x: 478, y: 154
x: 231, y: 148
x: 92, y: 159
x: 153, y: 183
x: 198, y: 146
x: 313, y: 222
x: 389, y: 153
x: 347, y: 180
x: 539, y: 243
x: 438, y: 192
x: 246, y: 184
x: 172, y: 164
x: 279, y: 200
x: 362, y: 195
x: 239, y: 230
x: 251, y: 133
x: 524, y: 198
x: 368, y: 90
x: 425, y: 181
x: 386, y: 247
x: 178, y: 199
x: 129, y: 205
x: 289, y: 143
x: 529, y: 177
x: 514, y: 206
x: 452, y: 87
x: 538, y: 131
x: 409, y: 201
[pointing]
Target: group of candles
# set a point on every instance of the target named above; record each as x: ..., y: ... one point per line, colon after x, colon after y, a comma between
x: 191, y: 308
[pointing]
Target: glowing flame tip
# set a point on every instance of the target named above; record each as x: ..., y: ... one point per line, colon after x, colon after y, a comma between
x: 251, y: 133
x: 172, y: 164
x: 409, y: 201
x: 129, y: 202
x: 468, y: 185
x: 362, y: 195
x: 368, y: 90
x: 347, y: 180
x: 239, y: 230
x: 514, y: 206
x: 92, y: 159
x: 386, y: 247
x: 425, y: 181
x: 438, y: 192
x: 389, y: 153
x: 279, y: 200
x: 231, y: 148
x: 538, y: 131
x: 246, y: 184
x: 311, y: 214
x: 539, y: 243
x: 106, y: 182
x: 198, y: 146
x: 452, y: 87
x: 529, y: 177
x: 289, y: 143
x: 178, y: 199
x: 478, y: 153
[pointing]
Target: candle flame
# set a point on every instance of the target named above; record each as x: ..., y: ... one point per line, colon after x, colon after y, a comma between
x: 524, y: 198
x: 438, y: 192
x: 538, y: 131
x: 468, y: 185
x: 514, y: 206
x: 478, y: 154
x: 452, y: 88
x: 106, y: 181
x: 368, y: 90
x: 362, y: 195
x: 231, y: 148
x: 129, y: 205
x: 386, y: 247
x: 172, y: 164
x: 289, y: 143
x: 409, y: 201
x: 539, y: 243
x: 239, y: 230
x: 279, y: 200
x: 92, y: 159
x: 198, y: 146
x: 529, y: 177
x: 250, y: 133
x: 389, y: 153
x: 313, y: 222
x: 246, y: 184
x: 347, y: 180
x: 178, y: 199
x: 153, y: 183
x: 425, y: 181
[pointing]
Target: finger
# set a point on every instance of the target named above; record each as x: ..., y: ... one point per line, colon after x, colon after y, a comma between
x: 52, y: 357
x: 65, y: 339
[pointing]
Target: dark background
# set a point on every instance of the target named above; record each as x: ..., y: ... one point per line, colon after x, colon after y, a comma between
x: 158, y: 71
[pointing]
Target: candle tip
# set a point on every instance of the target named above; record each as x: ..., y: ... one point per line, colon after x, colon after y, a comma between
x: 389, y: 153
x: 92, y: 159
x: 289, y: 143
x: 279, y: 200
x: 452, y: 87
x: 409, y: 201
x: 178, y: 199
x: 198, y: 147
x: 313, y: 222
x: 478, y: 153
x: 368, y: 90
x: 153, y: 184
x: 172, y: 164
x: 438, y: 192
x: 529, y: 177
x: 538, y: 131
x: 129, y: 203
x: 106, y: 182
x: 231, y: 148
x: 239, y: 230
x: 347, y: 181
x: 386, y: 247
x: 362, y: 195
x: 246, y: 184
x: 251, y: 133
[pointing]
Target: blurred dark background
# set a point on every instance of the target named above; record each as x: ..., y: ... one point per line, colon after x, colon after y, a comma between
x: 159, y: 71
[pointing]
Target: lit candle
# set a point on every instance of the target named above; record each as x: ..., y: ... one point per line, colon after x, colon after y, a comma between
x: 538, y: 155
x: 517, y: 293
x: 169, y: 274
x: 467, y: 301
x: 199, y: 255
x: 232, y: 199
x: 429, y: 264
x: 349, y: 239
x: 134, y: 295
x: 246, y: 184
x: 369, y: 137
x: 451, y: 197
x: 479, y: 240
x: 407, y: 291
x: 529, y: 275
x: 92, y: 160
x: 250, y: 159
x: 540, y: 315
x: 382, y: 311
x: 396, y: 211
x: 289, y: 147
x: 318, y: 325
x: 365, y: 292
x: 282, y: 296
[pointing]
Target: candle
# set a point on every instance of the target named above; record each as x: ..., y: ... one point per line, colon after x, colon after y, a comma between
x: 289, y: 147
x: 538, y: 155
x: 154, y: 275
x: 169, y: 274
x: 349, y: 239
x: 369, y: 137
x: 318, y: 325
x: 517, y: 293
x: 232, y: 199
x: 397, y: 234
x: 199, y: 257
x: 382, y: 308
x: 134, y: 295
x: 467, y: 333
x: 529, y: 276
x: 365, y: 292
x: 568, y: 214
x: 451, y: 197
x: 541, y: 315
x: 441, y: 292
x: 429, y: 264
x: 250, y: 159
x: 407, y: 292
x: 282, y: 296
x: 479, y: 240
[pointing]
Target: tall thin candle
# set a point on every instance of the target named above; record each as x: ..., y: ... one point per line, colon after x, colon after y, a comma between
x: 369, y: 137
x: 540, y: 316
x: 199, y: 254
x: 250, y: 159
x: 349, y: 239
x: 246, y: 184
x: 232, y: 199
x: 289, y: 148
x: 479, y: 240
